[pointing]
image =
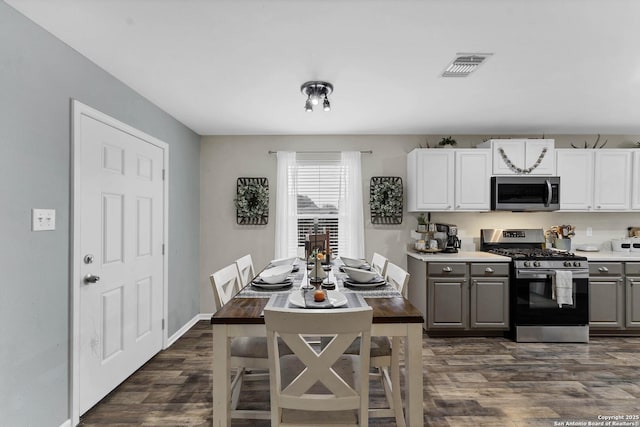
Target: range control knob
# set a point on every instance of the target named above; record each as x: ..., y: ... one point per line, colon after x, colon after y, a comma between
x: 576, y: 263
x: 527, y: 264
x: 536, y: 264
x: 567, y: 263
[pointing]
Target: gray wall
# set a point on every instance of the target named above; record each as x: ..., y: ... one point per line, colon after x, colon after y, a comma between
x: 225, y: 158
x: 39, y: 75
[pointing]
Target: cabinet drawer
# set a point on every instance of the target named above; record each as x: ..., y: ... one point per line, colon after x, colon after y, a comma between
x: 632, y: 268
x: 447, y: 269
x: 489, y: 269
x: 605, y: 269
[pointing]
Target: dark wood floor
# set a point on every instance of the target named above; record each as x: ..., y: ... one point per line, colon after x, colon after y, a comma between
x: 467, y: 382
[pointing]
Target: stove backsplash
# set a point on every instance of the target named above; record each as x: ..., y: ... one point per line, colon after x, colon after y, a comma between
x: 605, y: 226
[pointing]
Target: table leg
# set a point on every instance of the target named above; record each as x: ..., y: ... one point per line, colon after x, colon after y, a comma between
x: 221, y: 380
x: 414, y: 412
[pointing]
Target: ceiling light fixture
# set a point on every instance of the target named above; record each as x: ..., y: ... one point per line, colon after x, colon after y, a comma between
x: 314, y: 91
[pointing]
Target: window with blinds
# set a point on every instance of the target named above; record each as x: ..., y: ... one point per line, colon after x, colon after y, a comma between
x: 318, y: 182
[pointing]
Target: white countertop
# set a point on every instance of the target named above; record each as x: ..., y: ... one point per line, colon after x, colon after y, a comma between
x: 461, y: 256
x: 610, y: 256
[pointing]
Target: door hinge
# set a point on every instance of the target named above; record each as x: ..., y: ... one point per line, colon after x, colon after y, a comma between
x: 163, y: 324
x: 163, y: 173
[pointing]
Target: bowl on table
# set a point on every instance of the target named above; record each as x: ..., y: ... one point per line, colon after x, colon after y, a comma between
x: 362, y: 276
x: 283, y: 261
x: 276, y: 274
x: 353, y: 262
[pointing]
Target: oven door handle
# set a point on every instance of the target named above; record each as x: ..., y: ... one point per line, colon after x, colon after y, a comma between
x: 545, y: 274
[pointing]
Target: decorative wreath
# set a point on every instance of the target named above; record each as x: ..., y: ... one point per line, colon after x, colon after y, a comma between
x: 385, y: 197
x: 252, y: 201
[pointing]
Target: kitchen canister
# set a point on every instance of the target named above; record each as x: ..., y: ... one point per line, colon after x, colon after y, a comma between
x: 621, y: 245
x: 635, y: 244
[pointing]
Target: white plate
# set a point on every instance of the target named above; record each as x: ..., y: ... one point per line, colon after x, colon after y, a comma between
x: 265, y: 285
x: 336, y: 298
x: 373, y: 284
x: 587, y: 248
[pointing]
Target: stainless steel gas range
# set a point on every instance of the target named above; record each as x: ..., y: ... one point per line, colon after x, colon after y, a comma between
x: 549, y: 289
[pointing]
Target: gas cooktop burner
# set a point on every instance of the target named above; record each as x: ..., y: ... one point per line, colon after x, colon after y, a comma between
x: 535, y: 254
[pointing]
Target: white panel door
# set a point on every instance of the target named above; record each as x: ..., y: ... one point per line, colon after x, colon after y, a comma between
x: 575, y: 169
x: 473, y: 180
x: 635, y: 183
x: 534, y: 149
x: 612, y: 180
x: 121, y: 227
x: 513, y: 150
x: 435, y: 175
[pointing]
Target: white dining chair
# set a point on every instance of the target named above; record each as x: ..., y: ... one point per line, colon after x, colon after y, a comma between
x: 385, y: 360
x: 247, y: 353
x: 245, y: 269
x: 312, y: 386
x: 379, y: 263
x: 398, y: 278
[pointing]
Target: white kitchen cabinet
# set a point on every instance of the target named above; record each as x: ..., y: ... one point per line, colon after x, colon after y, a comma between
x: 448, y: 180
x: 430, y: 175
x: 523, y: 154
x: 612, y: 180
x: 635, y: 183
x: 575, y: 169
x: 472, y: 180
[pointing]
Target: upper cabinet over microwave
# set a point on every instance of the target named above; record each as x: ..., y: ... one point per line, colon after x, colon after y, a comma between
x: 522, y: 156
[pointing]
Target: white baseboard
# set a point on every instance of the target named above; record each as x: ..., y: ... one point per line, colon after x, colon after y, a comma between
x: 180, y: 332
x: 66, y: 424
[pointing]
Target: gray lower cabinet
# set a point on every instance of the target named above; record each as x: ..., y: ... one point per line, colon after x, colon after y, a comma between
x: 489, y: 296
x: 614, y: 297
x: 632, y: 270
x: 460, y: 296
x: 606, y: 295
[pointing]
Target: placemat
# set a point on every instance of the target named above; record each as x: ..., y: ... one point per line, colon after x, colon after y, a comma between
x: 353, y: 300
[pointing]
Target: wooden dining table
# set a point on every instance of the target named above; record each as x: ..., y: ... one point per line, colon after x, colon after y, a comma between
x: 393, y: 316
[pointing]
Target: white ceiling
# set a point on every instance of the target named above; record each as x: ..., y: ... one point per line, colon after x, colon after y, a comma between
x: 236, y: 66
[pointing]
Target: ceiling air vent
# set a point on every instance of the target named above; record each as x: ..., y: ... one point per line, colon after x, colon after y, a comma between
x: 465, y: 64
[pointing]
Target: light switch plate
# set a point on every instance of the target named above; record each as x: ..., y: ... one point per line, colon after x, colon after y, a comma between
x: 43, y: 219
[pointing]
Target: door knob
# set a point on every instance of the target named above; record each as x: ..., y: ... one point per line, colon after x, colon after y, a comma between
x: 90, y: 278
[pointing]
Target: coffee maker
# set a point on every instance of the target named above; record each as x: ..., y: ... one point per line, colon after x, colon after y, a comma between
x: 453, y: 242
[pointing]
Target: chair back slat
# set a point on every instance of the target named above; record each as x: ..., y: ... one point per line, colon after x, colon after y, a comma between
x: 245, y: 269
x: 225, y: 283
x: 398, y: 277
x: 379, y: 263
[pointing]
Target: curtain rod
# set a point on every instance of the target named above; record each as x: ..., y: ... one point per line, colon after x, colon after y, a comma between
x: 361, y: 151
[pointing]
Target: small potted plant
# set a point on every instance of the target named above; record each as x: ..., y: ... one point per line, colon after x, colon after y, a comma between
x: 422, y: 223
x: 447, y: 142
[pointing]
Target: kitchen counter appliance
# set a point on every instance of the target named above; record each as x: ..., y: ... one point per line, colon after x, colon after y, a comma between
x: 549, y: 289
x: 525, y: 193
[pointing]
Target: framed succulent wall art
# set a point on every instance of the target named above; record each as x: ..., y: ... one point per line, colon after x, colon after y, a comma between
x: 252, y: 201
x: 386, y: 199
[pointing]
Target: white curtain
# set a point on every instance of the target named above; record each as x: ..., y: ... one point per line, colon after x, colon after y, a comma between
x: 286, y: 206
x: 351, y: 216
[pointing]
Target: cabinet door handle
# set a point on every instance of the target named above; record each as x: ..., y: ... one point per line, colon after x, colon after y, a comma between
x: 447, y: 269
x: 603, y: 269
x: 489, y: 270
x: 449, y: 207
x: 599, y: 207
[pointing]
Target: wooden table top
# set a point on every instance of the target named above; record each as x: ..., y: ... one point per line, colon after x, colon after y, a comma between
x: 249, y: 310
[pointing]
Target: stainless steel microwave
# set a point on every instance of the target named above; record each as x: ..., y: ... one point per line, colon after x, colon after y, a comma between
x: 525, y: 193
